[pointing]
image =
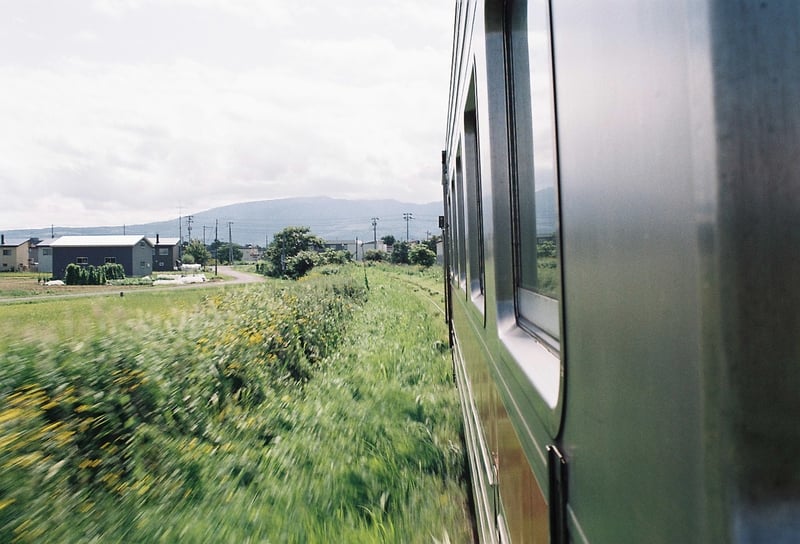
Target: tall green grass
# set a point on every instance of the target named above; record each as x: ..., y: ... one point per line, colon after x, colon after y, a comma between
x: 293, y: 412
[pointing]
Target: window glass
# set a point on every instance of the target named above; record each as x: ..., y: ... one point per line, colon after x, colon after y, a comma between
x: 473, y: 196
x: 535, y: 166
x: 111, y: 260
x: 82, y: 260
x: 460, y: 222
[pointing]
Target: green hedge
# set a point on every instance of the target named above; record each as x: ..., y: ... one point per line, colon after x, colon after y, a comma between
x: 91, y: 275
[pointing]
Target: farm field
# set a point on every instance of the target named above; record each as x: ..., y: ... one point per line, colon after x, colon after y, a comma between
x: 314, y: 411
x: 27, y: 284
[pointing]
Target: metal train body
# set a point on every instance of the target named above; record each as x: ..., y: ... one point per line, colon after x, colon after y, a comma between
x: 622, y: 192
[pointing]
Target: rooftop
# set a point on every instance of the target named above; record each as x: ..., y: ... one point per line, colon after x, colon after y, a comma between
x: 100, y: 241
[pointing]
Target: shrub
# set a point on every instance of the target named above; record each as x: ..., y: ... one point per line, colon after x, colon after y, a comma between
x: 72, y: 274
x: 330, y: 256
x: 375, y: 255
x: 421, y: 255
x: 400, y: 253
x: 114, y: 271
x: 93, y: 275
x: 298, y: 265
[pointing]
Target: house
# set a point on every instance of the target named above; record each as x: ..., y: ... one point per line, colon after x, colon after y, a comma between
x: 13, y: 254
x: 166, y: 252
x: 133, y: 252
x: 42, y: 255
x: 356, y: 247
x: 251, y: 253
x: 351, y: 246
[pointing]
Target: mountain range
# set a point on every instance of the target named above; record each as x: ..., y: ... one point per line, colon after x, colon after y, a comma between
x: 256, y: 222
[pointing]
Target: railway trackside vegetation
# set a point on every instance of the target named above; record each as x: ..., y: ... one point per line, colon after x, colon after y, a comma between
x: 314, y: 411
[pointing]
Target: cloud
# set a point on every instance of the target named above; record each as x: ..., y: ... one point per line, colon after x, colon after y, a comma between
x: 325, y: 104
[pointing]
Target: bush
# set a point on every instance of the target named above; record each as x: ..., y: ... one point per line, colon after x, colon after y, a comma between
x: 130, y: 418
x: 375, y: 255
x: 91, y: 275
x: 114, y: 271
x: 400, y: 253
x: 298, y: 265
x: 330, y: 256
x: 421, y: 255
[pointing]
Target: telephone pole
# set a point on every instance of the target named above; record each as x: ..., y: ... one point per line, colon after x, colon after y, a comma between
x: 216, y: 246
x: 180, y: 233
x: 230, y: 243
x: 375, y: 232
x: 408, y: 216
x: 189, y: 221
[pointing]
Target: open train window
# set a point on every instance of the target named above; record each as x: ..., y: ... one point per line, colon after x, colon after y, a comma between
x: 535, y: 170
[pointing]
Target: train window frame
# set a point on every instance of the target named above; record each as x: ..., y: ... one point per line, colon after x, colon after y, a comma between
x: 537, y: 313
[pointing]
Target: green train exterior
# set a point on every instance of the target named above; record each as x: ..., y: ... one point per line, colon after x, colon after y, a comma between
x: 622, y: 221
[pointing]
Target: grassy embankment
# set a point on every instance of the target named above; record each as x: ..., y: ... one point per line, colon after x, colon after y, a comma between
x: 308, y: 412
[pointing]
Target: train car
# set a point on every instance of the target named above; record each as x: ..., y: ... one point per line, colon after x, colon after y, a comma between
x: 622, y: 219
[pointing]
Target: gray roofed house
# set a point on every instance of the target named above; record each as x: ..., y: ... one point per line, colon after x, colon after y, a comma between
x: 13, y: 254
x: 42, y: 255
x: 134, y: 252
x: 166, y: 252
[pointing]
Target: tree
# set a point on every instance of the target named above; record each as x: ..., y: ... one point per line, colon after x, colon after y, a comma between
x: 224, y: 252
x: 298, y: 265
x: 198, y: 251
x: 389, y: 240
x: 400, y: 253
x: 288, y: 243
x: 422, y: 255
x: 432, y: 242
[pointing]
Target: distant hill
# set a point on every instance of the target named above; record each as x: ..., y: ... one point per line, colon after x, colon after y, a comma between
x: 254, y: 222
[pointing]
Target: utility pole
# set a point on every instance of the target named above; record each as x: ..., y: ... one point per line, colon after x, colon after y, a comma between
x: 189, y: 221
x: 408, y: 216
x: 230, y: 243
x: 375, y: 232
x: 204, y: 235
x: 180, y: 234
x: 216, y: 246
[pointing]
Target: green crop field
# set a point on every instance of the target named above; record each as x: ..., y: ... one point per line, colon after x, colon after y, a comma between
x: 314, y: 411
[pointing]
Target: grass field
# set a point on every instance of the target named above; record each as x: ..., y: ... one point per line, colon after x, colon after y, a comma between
x: 316, y: 411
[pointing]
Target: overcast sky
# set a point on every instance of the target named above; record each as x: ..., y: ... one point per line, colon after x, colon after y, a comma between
x: 124, y: 111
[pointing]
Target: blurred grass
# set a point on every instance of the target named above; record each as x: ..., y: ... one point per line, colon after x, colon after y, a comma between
x: 288, y: 412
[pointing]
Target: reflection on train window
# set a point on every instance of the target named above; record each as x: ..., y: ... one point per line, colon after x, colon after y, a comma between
x: 458, y: 212
x: 535, y: 187
x: 477, y: 276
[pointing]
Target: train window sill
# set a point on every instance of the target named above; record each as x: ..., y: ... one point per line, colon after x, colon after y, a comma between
x: 540, y: 365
